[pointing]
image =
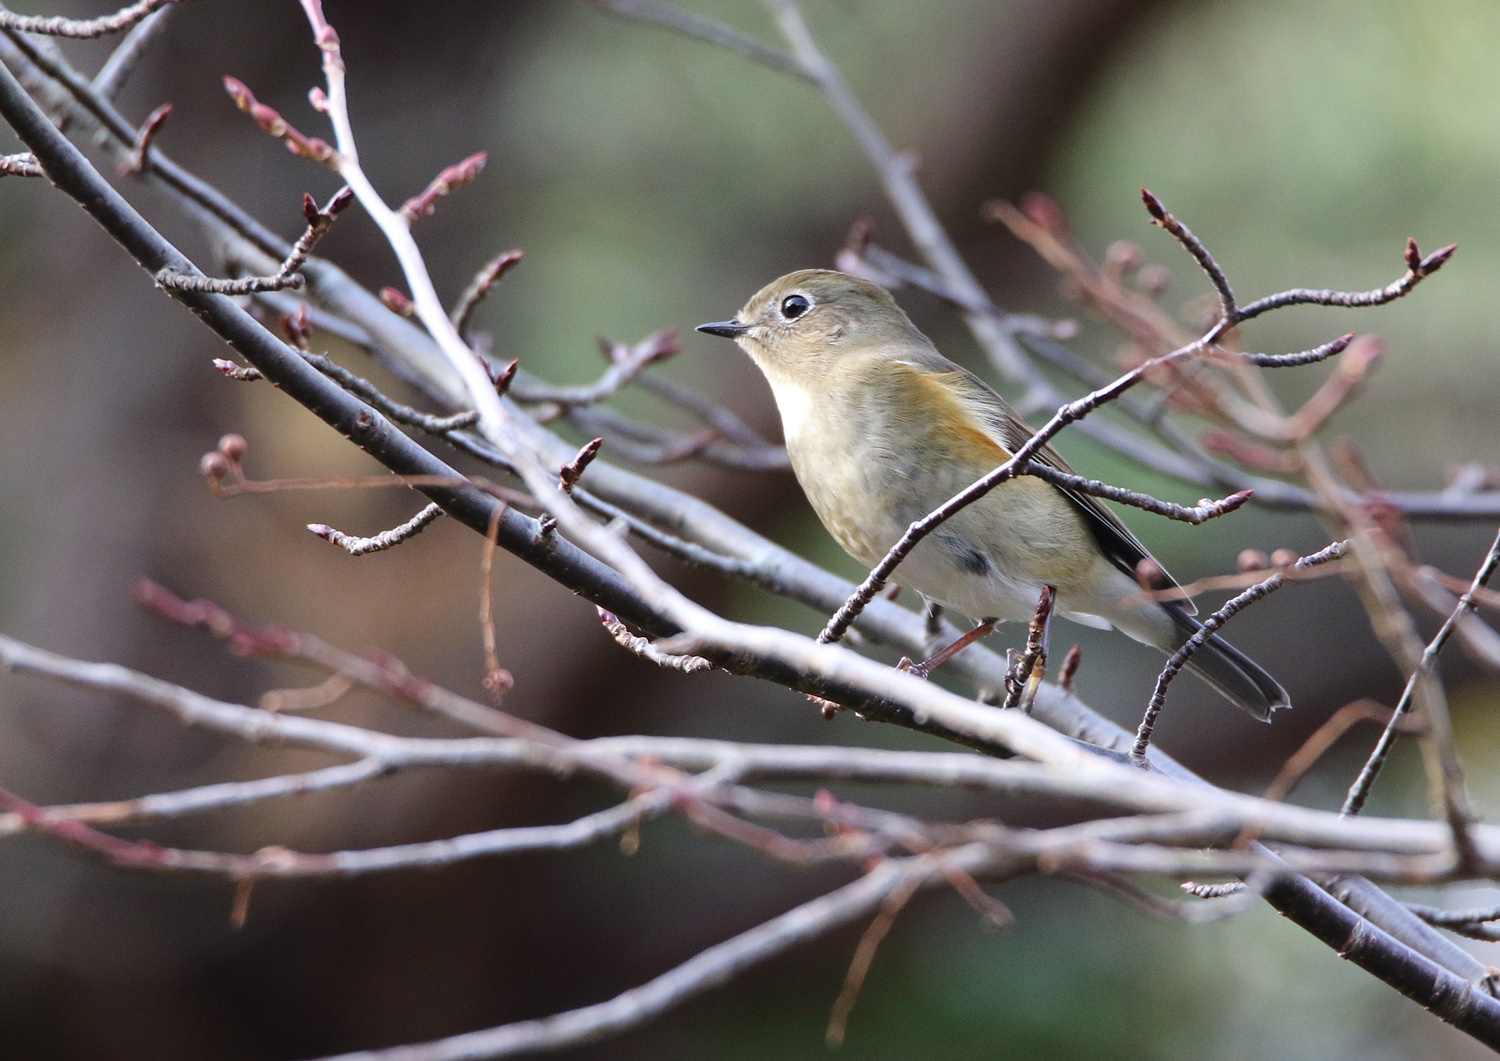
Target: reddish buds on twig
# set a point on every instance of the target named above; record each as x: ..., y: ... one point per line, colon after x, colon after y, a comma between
x: 851, y: 256
x: 214, y: 467
x: 1121, y: 257
x: 245, y: 639
x: 223, y: 462
x: 1153, y: 207
x: 1153, y: 280
x: 1149, y: 574
x: 341, y: 199
x: 498, y: 681
x: 1413, y: 255
x: 1421, y: 266
x: 1249, y: 454
x: 1045, y: 212
x: 573, y: 470
x: 144, y: 139
x: 269, y: 119
x: 479, y: 288
x: 452, y: 178
x: 297, y: 328
x: 1252, y: 560
x: 507, y: 374
x: 243, y: 373
x: 397, y: 302
x: 654, y: 347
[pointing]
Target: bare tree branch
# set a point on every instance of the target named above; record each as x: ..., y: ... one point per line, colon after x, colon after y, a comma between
x: 82, y: 29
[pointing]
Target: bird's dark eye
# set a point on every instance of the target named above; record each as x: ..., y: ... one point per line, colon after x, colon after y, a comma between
x: 793, y: 306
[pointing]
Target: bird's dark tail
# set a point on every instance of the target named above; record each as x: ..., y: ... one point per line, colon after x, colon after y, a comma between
x: 1229, y: 670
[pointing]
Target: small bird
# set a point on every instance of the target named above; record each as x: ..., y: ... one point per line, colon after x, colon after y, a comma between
x: 882, y: 429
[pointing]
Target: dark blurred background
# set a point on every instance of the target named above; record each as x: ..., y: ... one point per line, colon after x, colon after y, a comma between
x: 654, y: 181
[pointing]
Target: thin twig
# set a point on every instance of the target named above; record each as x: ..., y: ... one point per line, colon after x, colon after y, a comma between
x: 444, y: 184
x: 643, y: 647
x: 1227, y: 307
x: 480, y: 287
x: 363, y: 388
x: 125, y: 58
x: 378, y: 672
x: 329, y: 691
x: 1205, y: 510
x: 705, y: 970
x: 318, y: 224
x: 721, y: 419
x: 386, y: 539
x: 143, y: 143
x: 648, y: 444
x: 1476, y: 924
x: 269, y: 119
x: 162, y: 806
x: 1210, y: 625
x: 81, y: 29
x: 1030, y: 667
x: 864, y: 958
x: 625, y: 363
x: 1322, y: 739
x: 497, y: 680
x: 1359, y: 792
x: 1418, y: 269
x: 704, y: 29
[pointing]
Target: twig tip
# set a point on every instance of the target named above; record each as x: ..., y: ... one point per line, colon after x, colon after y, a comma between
x: 1153, y: 206
x: 1434, y: 261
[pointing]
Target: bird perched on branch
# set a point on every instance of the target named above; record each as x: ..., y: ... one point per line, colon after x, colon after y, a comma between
x: 882, y: 429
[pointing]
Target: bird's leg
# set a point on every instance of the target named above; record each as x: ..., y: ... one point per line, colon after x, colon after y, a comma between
x: 1027, y: 670
x: 932, y: 624
x: 943, y: 655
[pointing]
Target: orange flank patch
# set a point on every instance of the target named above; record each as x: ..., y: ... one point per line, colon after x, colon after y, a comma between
x: 941, y: 404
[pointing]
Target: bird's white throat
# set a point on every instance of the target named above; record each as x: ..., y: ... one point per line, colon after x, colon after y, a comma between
x: 795, y: 403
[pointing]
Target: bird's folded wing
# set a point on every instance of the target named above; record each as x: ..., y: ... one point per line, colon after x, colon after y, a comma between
x: 1122, y: 547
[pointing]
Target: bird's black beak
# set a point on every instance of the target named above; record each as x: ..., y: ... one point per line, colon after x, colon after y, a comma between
x: 728, y: 329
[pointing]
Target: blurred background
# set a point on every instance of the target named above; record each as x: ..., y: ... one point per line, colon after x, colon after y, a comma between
x: 654, y: 181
